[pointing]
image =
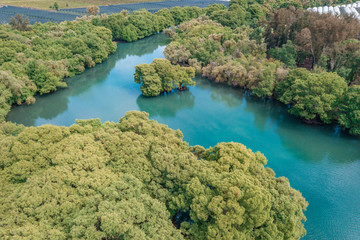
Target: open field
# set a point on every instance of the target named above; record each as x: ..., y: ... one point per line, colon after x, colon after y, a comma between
x: 69, y: 14
x: 45, y: 4
x: 150, y: 6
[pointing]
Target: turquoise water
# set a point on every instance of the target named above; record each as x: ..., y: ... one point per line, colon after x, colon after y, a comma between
x: 322, y: 162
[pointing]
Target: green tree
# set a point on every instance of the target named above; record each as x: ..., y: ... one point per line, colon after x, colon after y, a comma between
x: 148, y: 78
x: 56, y: 6
x: 227, y: 208
x: 349, y: 110
x: 286, y: 54
x: 311, y: 95
x: 213, y: 8
x: 160, y: 76
x: 234, y: 17
x: 142, y: 23
x: 241, y: 3
x: 36, y: 61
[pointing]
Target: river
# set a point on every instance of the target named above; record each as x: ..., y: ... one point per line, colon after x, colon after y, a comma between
x: 320, y: 161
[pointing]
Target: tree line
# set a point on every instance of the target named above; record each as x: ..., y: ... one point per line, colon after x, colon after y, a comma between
x: 36, y: 60
x: 265, y: 53
x: 140, y: 24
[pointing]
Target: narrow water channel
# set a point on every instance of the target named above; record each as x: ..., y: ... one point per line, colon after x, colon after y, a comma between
x: 322, y: 162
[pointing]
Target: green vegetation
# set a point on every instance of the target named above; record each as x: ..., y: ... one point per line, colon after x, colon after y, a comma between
x: 226, y: 45
x: 36, y: 59
x: 320, y: 38
x: 286, y: 54
x: 55, y: 6
x: 330, y: 44
x: 141, y: 24
x: 160, y: 76
x: 312, y: 95
x: 230, y: 46
x: 224, y: 55
x: 137, y: 179
x: 349, y: 110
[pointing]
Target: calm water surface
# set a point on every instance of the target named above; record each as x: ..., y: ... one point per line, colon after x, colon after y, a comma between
x: 321, y: 162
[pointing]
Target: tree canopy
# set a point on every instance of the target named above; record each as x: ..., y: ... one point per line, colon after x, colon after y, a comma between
x: 224, y: 55
x: 161, y: 76
x: 36, y: 61
x: 349, y: 110
x: 137, y: 179
x: 312, y: 95
x: 324, y: 38
x: 140, y: 24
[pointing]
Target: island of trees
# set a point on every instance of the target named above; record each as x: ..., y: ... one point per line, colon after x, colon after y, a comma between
x: 161, y: 76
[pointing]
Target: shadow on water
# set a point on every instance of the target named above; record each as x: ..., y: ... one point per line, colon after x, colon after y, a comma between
x: 51, y: 105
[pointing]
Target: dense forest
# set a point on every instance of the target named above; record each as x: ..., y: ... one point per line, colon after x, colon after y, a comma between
x: 137, y: 179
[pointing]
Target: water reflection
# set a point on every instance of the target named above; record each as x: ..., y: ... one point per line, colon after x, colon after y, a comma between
x: 316, y: 144
x: 142, y: 47
x: 308, y: 142
x: 220, y: 92
x: 50, y: 106
x: 158, y: 106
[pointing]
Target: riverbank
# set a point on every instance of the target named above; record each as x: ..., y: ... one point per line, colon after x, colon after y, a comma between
x: 319, y: 161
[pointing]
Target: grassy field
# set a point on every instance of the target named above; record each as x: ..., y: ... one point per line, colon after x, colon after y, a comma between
x: 45, y: 4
